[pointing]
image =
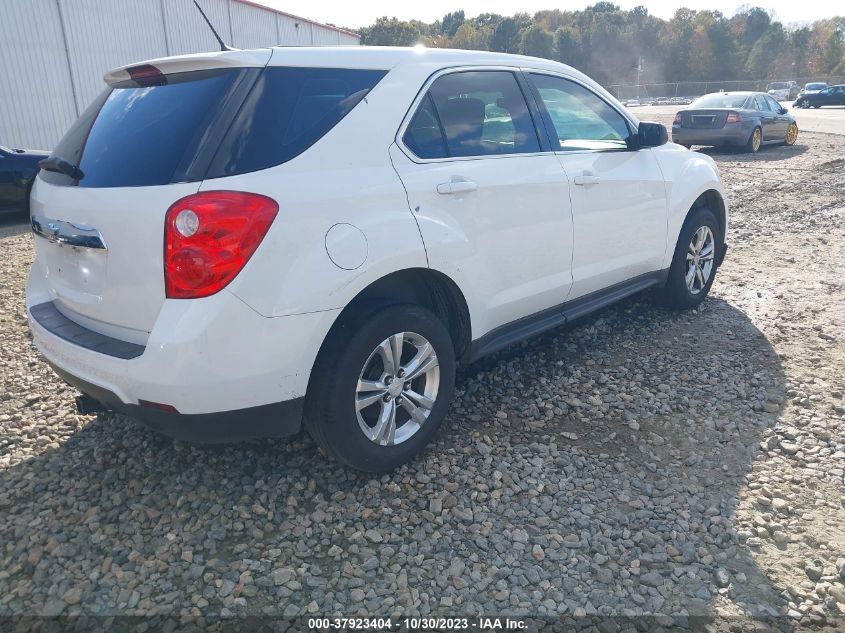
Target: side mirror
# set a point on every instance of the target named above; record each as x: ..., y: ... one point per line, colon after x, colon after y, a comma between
x: 652, y: 134
x: 784, y: 110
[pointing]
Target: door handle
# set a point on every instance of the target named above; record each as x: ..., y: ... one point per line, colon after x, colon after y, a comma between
x: 586, y: 179
x: 456, y: 186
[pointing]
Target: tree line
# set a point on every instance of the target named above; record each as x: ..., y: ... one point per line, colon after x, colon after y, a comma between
x: 607, y: 42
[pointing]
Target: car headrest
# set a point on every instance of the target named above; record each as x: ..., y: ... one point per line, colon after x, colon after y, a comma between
x: 463, y: 122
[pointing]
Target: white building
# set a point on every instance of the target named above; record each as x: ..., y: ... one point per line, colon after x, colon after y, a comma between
x: 54, y: 52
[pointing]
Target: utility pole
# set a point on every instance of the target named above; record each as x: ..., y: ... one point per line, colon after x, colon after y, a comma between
x: 639, y: 72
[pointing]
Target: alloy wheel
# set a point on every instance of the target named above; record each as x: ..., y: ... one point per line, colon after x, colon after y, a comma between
x: 756, y: 139
x: 700, y: 258
x: 397, y: 388
x: 792, y: 134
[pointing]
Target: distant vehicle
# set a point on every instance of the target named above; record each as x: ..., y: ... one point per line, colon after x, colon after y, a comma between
x: 812, y: 88
x: 830, y: 96
x: 661, y: 101
x: 677, y: 101
x: 17, y: 171
x: 783, y: 90
x: 744, y: 119
x: 633, y: 103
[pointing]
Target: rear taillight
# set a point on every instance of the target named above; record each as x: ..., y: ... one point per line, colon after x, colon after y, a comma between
x: 733, y: 117
x: 677, y: 118
x: 209, y: 237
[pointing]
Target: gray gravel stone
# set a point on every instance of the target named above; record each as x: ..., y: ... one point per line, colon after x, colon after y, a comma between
x: 641, y: 463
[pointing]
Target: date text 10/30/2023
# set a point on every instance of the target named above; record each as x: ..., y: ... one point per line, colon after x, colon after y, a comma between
x: 417, y: 624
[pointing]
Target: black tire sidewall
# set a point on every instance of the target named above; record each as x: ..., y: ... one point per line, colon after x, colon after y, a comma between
x: 676, y: 291
x: 331, y: 395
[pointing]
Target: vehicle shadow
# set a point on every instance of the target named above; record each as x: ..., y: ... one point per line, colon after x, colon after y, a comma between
x: 118, y: 516
x: 13, y: 224
x: 767, y: 153
x: 707, y: 448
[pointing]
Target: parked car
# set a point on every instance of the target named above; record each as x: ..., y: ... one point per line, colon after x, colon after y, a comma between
x: 782, y: 90
x: 743, y: 119
x: 661, y: 101
x: 633, y: 103
x: 17, y: 171
x: 321, y: 234
x: 830, y: 96
x: 812, y: 88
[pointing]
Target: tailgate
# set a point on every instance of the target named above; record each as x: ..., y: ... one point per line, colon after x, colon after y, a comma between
x: 101, y: 250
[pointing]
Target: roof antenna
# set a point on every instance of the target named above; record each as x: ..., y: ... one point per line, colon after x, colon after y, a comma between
x: 223, y: 46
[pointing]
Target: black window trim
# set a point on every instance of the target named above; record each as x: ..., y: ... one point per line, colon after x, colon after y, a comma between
x: 551, y: 132
x: 516, y: 71
x: 771, y: 100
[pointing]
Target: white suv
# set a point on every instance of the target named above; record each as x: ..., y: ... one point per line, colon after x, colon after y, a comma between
x: 238, y: 244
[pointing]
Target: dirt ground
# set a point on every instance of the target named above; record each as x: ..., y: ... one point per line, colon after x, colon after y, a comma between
x: 641, y: 463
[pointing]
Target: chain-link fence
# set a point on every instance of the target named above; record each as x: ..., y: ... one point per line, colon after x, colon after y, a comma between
x: 698, y: 88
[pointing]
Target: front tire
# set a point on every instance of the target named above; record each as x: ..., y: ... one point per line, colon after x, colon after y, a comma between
x: 694, y: 262
x: 381, y: 387
x: 791, y: 134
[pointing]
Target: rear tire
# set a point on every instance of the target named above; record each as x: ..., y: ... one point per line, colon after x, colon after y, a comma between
x: 694, y: 262
x: 755, y: 141
x: 365, y: 408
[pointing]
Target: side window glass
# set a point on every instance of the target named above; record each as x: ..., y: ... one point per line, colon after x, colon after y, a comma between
x: 774, y: 106
x: 424, y: 136
x: 761, y: 103
x: 580, y: 118
x: 483, y: 113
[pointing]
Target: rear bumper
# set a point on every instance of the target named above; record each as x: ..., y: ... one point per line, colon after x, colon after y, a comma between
x: 279, y: 419
x: 224, y: 368
x: 733, y: 134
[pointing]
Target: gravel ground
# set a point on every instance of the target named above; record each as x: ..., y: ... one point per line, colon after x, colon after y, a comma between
x: 643, y: 463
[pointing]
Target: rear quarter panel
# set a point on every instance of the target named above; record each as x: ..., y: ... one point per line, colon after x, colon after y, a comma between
x: 687, y: 175
x: 344, y: 178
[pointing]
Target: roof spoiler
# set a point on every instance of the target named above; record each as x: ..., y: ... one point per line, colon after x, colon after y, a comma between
x: 257, y: 58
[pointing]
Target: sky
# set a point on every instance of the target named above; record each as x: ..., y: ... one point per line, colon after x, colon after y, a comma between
x: 358, y: 13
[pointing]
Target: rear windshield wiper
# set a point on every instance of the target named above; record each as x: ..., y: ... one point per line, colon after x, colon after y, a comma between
x: 62, y: 166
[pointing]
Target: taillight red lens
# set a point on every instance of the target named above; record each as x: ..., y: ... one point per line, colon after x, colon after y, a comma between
x: 147, y: 75
x: 733, y: 117
x: 677, y: 117
x: 209, y: 237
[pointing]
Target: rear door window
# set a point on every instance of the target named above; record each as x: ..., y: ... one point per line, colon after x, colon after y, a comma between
x: 424, y: 136
x: 288, y: 110
x: 480, y: 113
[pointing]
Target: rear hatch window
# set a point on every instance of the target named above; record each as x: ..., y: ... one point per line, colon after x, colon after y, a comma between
x: 186, y: 127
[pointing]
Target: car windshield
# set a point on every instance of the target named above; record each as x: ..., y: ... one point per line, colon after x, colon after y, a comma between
x: 720, y: 101
x: 815, y: 86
